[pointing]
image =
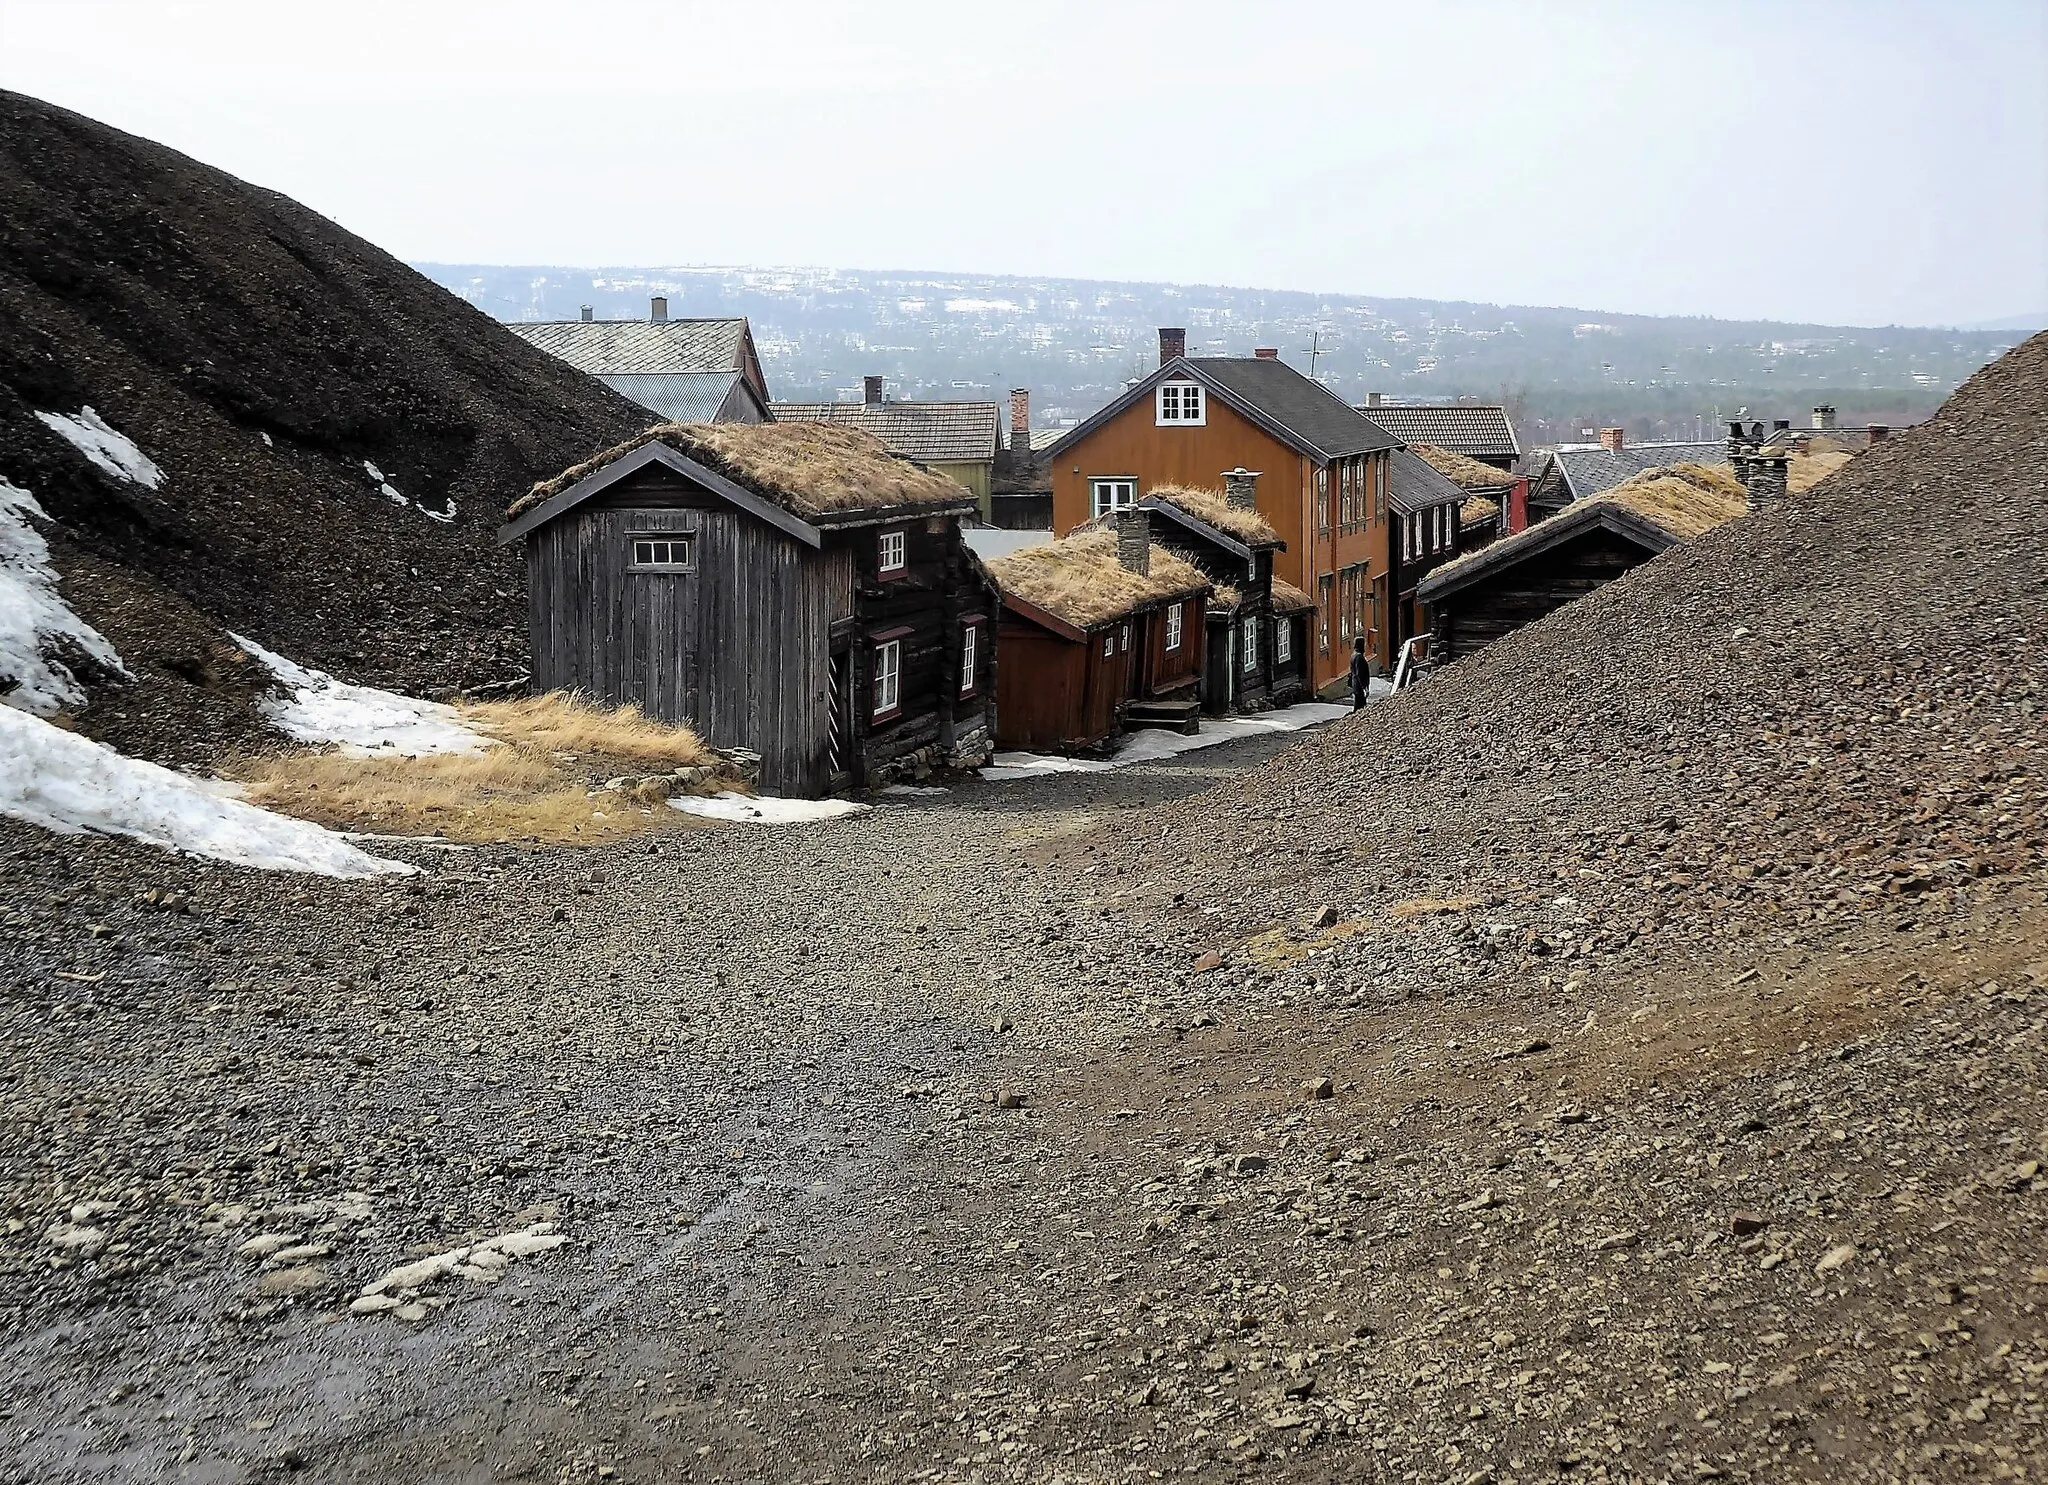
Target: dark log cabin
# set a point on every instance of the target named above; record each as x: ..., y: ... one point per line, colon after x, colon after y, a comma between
x: 793, y: 590
x: 1099, y: 629
x: 1478, y: 598
x: 1427, y: 526
x: 1256, y: 649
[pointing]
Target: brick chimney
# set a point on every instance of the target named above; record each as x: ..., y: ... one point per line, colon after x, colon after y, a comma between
x: 871, y: 390
x: 1824, y: 418
x: 1172, y: 343
x: 1020, y: 421
x: 1267, y: 353
x: 1241, y: 488
x: 1134, y: 540
x: 1878, y: 432
x: 1614, y: 440
x: 586, y: 314
x: 659, y: 311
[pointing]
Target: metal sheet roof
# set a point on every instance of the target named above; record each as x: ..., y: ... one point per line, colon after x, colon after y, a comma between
x: 1476, y: 430
x: 932, y: 432
x: 640, y: 347
x: 680, y: 397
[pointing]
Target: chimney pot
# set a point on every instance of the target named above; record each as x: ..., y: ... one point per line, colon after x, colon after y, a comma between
x: 1241, y: 488
x: 1824, y: 417
x: 586, y: 314
x: 1372, y: 399
x: 1172, y: 345
x: 1020, y: 420
x: 1614, y: 440
x: 659, y: 311
x: 1878, y: 432
x: 1781, y: 425
x: 1134, y: 541
x: 871, y: 390
x: 1267, y: 353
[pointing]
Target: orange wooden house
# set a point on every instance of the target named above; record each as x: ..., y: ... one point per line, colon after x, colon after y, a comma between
x: 1324, y: 486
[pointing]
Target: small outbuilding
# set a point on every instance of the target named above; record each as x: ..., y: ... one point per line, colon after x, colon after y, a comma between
x: 1474, y: 600
x: 793, y: 590
x: 1099, y: 629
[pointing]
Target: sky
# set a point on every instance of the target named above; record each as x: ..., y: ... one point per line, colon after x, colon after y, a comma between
x: 1875, y: 162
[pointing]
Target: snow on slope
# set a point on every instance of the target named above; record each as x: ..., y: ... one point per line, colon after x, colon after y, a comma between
x: 1153, y: 746
x: 766, y: 809
x: 105, y: 446
x: 362, y: 719
x: 33, y: 618
x: 72, y: 785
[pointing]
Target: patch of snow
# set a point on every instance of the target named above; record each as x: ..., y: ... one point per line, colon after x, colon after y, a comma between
x: 1152, y: 746
x: 73, y: 785
x: 106, y: 447
x: 480, y: 1263
x: 268, y: 441
x: 766, y: 809
x: 913, y: 790
x: 33, y: 617
x: 376, y: 475
x: 394, y: 497
x: 443, y: 516
x: 362, y: 719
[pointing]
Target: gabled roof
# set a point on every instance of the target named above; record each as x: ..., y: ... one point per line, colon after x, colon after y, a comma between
x: 688, y: 396
x: 1078, y: 584
x: 1417, y: 487
x: 796, y: 476
x: 1476, y: 430
x: 1466, y: 474
x: 1305, y: 415
x: 936, y: 432
x: 1288, y: 599
x: 640, y: 347
x: 1655, y: 510
x: 1210, y: 516
x: 1587, y: 472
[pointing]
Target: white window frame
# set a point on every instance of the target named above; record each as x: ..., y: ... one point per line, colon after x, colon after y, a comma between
x: 892, y: 552
x: 1123, y: 638
x: 1250, y: 652
x: 888, y: 677
x: 1175, y: 617
x: 1108, y: 645
x: 1172, y: 401
x: 1283, y: 639
x: 969, y: 643
x: 652, y: 541
x: 1111, y: 493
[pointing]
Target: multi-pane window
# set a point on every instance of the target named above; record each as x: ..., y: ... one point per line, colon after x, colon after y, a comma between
x: 1107, y: 496
x: 1283, y: 640
x: 1251, y: 646
x: 969, y: 642
x: 1108, y: 645
x: 1323, y: 614
x: 662, y: 553
x: 1377, y: 474
x: 1323, y: 499
x: 1173, y: 626
x: 892, y: 552
x: 888, y: 676
x: 1180, y: 403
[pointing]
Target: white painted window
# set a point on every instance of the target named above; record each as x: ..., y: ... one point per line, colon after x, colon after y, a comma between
x: 1251, y: 647
x: 1173, y: 624
x: 888, y: 676
x: 1105, y: 496
x: 1123, y: 638
x: 1108, y: 645
x: 1181, y: 404
x: 663, y: 552
x: 892, y: 552
x: 1283, y: 641
x: 968, y: 641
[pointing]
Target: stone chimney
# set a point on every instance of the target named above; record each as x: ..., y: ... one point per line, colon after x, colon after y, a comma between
x: 1134, y: 541
x: 1614, y: 440
x: 659, y: 311
x: 1241, y: 489
x: 1824, y: 418
x: 1781, y: 425
x: 1767, y: 476
x: 1267, y: 353
x: 1372, y: 399
x: 871, y: 390
x: 1172, y: 343
x: 1020, y: 422
x: 586, y: 314
x: 1878, y: 432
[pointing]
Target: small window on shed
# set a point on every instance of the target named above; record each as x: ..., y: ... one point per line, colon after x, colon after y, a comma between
x: 969, y: 642
x: 892, y: 552
x: 1108, y: 645
x: 888, y: 677
x: 662, y: 551
x: 1173, y: 623
x: 1251, y: 646
x: 1283, y: 641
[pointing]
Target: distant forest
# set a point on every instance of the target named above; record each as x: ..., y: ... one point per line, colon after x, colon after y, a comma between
x: 1076, y: 342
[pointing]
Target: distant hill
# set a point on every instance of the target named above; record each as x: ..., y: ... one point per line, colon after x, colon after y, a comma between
x: 1075, y: 341
x: 265, y: 361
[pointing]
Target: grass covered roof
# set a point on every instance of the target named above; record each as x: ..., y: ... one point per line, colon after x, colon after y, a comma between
x: 1211, y: 508
x: 1465, y: 473
x: 1807, y: 470
x: 809, y: 469
x: 1079, y: 580
x: 1288, y: 599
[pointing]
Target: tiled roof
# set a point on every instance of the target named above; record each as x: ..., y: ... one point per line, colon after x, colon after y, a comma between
x: 640, y: 347
x: 1589, y: 471
x: 681, y: 396
x: 1476, y: 430
x: 1418, y: 487
x: 1320, y: 420
x: 941, y: 432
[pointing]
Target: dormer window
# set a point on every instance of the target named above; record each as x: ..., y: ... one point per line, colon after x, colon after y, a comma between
x: 1181, y: 404
x: 890, y: 553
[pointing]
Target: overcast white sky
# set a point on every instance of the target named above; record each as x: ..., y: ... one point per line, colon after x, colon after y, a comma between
x: 1868, y: 162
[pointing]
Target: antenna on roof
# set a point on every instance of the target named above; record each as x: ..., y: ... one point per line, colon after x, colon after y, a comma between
x: 1315, y: 351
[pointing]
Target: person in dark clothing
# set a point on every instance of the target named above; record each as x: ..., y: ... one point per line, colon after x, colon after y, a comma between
x: 1361, y: 673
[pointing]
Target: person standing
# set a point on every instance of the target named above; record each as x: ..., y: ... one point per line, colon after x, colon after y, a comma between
x: 1361, y: 673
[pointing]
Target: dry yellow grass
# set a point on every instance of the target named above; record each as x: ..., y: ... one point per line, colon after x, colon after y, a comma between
x: 544, y: 785
x: 1079, y: 580
x: 1807, y: 470
x: 1211, y: 508
x: 806, y: 468
x: 1288, y: 599
x: 1465, y: 473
